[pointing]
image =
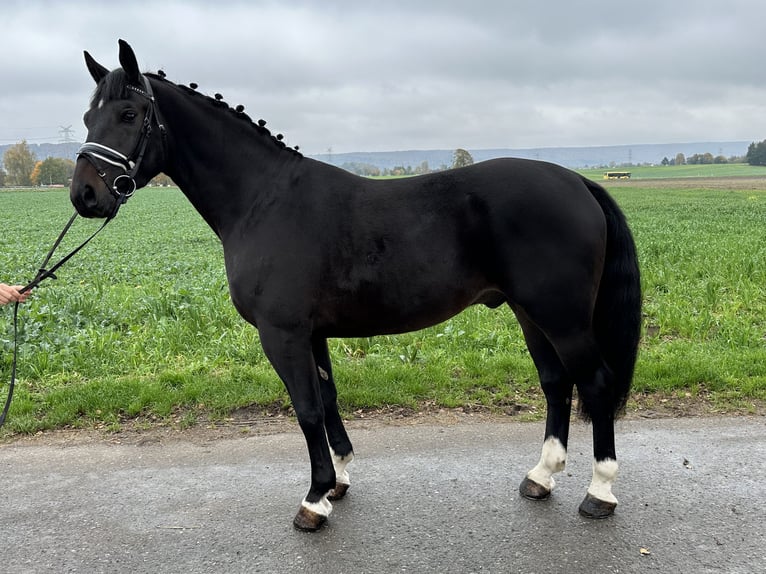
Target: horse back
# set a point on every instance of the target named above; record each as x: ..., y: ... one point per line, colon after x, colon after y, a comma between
x: 363, y: 257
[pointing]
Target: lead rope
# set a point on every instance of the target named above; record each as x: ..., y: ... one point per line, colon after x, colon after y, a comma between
x: 89, y: 150
x: 43, y: 274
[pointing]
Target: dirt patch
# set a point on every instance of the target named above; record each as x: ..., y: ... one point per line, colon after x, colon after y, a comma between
x: 257, y: 421
x: 757, y: 183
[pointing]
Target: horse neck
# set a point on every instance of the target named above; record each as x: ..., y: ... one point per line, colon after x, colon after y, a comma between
x: 222, y: 163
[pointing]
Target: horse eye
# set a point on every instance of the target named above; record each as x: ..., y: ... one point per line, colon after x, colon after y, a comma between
x: 128, y: 116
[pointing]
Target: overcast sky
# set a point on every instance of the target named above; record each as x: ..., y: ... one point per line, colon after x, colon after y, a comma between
x: 410, y: 74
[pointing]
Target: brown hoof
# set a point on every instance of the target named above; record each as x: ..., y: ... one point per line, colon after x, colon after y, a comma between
x: 338, y: 492
x: 308, y: 520
x: 592, y: 507
x: 532, y: 490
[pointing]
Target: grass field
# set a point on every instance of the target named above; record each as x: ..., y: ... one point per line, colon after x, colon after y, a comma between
x: 724, y: 170
x: 139, y: 325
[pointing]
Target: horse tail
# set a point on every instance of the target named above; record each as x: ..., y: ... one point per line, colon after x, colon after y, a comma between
x: 617, y: 315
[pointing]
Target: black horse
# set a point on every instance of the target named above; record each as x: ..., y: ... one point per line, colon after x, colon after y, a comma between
x: 314, y: 252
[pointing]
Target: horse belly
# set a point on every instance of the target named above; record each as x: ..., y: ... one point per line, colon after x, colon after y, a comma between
x: 400, y: 306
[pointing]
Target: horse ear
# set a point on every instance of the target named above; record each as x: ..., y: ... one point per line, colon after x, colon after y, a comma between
x: 97, y: 71
x: 129, y: 63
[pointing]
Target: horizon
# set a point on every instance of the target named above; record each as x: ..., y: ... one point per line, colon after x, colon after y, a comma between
x: 573, y: 157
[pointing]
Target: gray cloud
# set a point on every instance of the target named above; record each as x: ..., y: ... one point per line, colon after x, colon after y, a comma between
x: 403, y: 75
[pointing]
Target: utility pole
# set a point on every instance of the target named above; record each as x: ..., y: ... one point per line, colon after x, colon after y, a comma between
x: 66, y: 134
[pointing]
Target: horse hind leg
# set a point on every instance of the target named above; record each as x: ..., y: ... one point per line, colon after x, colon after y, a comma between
x: 597, y: 402
x: 539, y: 482
x: 340, y: 446
x: 567, y: 354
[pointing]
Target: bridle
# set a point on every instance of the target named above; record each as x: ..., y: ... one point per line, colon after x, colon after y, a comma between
x: 124, y: 185
x: 95, y: 153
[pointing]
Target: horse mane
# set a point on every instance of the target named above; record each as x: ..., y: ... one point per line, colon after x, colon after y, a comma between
x: 114, y: 86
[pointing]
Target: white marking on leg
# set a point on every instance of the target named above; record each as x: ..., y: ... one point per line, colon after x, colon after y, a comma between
x: 323, y: 507
x: 340, y: 463
x: 604, y: 475
x: 552, y: 460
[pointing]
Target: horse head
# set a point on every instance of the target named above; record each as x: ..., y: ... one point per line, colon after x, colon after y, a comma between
x: 123, y: 149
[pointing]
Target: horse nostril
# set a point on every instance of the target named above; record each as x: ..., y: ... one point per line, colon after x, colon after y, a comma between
x: 89, y: 197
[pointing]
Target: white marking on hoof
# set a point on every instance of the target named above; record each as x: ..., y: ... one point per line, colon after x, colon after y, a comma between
x: 340, y: 463
x: 604, y: 476
x: 552, y: 460
x: 323, y: 507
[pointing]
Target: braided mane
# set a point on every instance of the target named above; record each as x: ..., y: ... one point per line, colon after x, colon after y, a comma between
x: 114, y: 86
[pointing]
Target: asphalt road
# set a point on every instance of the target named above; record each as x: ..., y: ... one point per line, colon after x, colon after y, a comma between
x: 423, y: 498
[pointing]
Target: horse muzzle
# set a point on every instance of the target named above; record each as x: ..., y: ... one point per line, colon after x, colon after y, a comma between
x: 91, y: 194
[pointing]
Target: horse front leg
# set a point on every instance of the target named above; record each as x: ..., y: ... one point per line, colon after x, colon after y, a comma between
x: 340, y: 445
x: 290, y: 353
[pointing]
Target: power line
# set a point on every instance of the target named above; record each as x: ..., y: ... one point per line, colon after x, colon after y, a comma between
x: 66, y: 133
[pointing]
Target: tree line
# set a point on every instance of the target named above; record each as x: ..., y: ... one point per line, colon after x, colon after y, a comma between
x: 756, y: 153
x: 699, y: 159
x: 23, y: 169
x: 460, y: 158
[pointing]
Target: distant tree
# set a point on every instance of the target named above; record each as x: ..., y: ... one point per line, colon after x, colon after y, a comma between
x: 756, y: 153
x: 665, y: 161
x: 422, y: 168
x: 52, y: 171
x: 2, y: 177
x: 361, y: 168
x: 720, y: 159
x: 35, y: 176
x: 161, y: 180
x: 680, y: 159
x: 461, y: 158
x: 700, y: 159
x: 19, y: 162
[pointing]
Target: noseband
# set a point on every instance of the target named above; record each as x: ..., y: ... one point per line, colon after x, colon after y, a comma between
x: 124, y: 185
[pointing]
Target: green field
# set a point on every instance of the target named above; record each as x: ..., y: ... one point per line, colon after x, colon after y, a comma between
x: 139, y: 326
x: 725, y: 170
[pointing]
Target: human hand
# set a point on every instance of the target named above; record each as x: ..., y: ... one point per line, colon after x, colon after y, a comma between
x: 11, y: 294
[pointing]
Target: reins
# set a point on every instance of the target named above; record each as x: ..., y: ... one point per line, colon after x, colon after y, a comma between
x: 94, y: 153
x: 42, y: 274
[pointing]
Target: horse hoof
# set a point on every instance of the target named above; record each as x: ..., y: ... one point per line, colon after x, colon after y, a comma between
x: 338, y: 492
x: 532, y: 490
x: 592, y: 507
x: 308, y: 520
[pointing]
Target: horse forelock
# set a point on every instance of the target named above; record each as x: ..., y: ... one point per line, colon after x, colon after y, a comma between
x: 114, y: 86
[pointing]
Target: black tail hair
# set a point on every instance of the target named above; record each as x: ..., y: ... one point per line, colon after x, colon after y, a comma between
x: 617, y: 317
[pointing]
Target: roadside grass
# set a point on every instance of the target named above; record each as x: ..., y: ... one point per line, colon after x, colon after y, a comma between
x: 139, y: 326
